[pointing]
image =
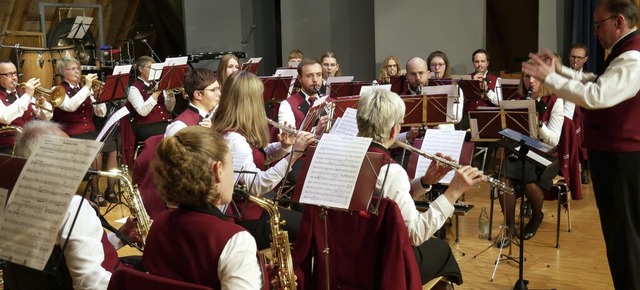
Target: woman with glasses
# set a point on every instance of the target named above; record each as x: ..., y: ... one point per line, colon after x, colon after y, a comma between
x: 76, y: 116
x: 152, y: 107
x: 390, y: 67
x: 439, y: 65
x: 330, y: 65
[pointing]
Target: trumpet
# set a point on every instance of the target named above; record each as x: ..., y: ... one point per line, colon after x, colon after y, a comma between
x: 286, y: 129
x: 453, y: 165
x: 54, y: 96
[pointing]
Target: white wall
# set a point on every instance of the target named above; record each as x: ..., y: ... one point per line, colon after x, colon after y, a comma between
x: 409, y: 28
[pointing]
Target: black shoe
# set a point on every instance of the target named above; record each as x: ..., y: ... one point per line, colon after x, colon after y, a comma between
x: 99, y: 200
x: 584, y: 177
x: 111, y: 196
x: 532, y: 227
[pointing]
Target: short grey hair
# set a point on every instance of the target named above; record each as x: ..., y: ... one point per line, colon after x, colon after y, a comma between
x: 378, y: 112
x: 31, y: 132
x: 62, y: 63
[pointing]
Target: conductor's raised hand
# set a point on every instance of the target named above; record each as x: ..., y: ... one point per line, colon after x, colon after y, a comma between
x: 464, y: 178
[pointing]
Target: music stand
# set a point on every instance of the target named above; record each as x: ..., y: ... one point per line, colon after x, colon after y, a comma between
x: 172, y: 76
x: 471, y: 90
x: 440, y: 82
x: 399, y: 84
x: 535, y: 152
x: 80, y: 27
x: 365, y: 184
x: 252, y: 65
x: 341, y: 105
x: 426, y: 110
x: 509, y: 88
x: 276, y: 90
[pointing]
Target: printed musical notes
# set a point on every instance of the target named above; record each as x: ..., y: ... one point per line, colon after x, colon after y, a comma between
x: 39, y: 200
x: 444, y: 141
x: 348, y: 126
x: 334, y: 170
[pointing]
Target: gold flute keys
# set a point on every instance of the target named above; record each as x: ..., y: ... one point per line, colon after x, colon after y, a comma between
x: 453, y: 165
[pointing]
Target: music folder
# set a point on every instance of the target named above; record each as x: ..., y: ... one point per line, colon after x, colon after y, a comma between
x: 114, y: 88
x: 538, y: 153
x: 365, y: 184
x: 340, y: 105
x: 471, y: 89
x: 509, y: 88
x: 172, y: 76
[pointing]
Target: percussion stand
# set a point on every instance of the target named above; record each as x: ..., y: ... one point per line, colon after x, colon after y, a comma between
x: 18, y: 51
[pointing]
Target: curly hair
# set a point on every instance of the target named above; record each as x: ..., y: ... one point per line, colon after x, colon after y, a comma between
x: 383, y: 75
x: 182, y: 170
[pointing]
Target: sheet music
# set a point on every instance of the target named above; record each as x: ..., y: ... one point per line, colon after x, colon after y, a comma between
x: 121, y: 69
x: 114, y: 118
x: 286, y: 72
x: 461, y: 77
x: 535, y: 156
x: 40, y: 198
x: 254, y: 60
x: 348, y: 125
x: 3, y: 199
x: 334, y: 170
x: 342, y: 79
x: 446, y: 142
x: 173, y: 61
x: 80, y: 27
x: 368, y: 89
x: 155, y: 72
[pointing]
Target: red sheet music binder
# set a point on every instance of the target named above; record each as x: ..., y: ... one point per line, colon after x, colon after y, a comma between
x: 114, y: 88
x: 276, y: 89
x: 10, y: 166
x: 341, y: 105
x: 172, y: 77
x: 471, y: 89
x: 399, y: 84
x: 510, y: 89
x: 345, y: 89
x: 365, y: 184
x: 251, y: 67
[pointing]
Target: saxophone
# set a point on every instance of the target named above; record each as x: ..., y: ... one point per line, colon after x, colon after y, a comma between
x: 279, y: 241
x: 132, y: 196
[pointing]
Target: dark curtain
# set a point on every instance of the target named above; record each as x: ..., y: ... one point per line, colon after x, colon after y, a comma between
x: 582, y: 32
x: 164, y: 20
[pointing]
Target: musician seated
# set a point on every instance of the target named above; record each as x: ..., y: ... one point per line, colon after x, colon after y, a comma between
x: 90, y: 254
x: 195, y: 242
x: 228, y: 64
x: 550, y: 111
x: 379, y: 116
x: 242, y: 120
x: 489, y: 85
x: 295, y: 57
x: 16, y: 109
x: 203, y: 91
x: 390, y: 68
x: 151, y: 107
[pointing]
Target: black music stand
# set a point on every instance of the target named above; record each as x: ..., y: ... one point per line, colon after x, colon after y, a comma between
x: 535, y: 152
x: 276, y: 90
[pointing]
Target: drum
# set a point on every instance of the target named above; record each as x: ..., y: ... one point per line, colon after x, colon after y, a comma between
x: 37, y: 63
x: 58, y: 53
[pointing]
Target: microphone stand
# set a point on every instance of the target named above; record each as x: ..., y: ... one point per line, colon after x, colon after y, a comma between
x: 153, y: 53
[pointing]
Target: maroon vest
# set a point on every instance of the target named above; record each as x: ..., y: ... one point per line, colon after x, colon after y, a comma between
x: 8, y: 139
x: 300, y: 106
x: 159, y: 112
x: 549, y: 100
x: 79, y: 121
x: 472, y: 105
x: 185, y: 245
x: 190, y: 116
x: 615, y: 129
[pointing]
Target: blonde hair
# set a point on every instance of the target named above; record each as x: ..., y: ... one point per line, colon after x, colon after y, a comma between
x: 62, y: 64
x: 332, y: 55
x: 183, y: 168
x: 522, y: 89
x: 378, y: 112
x: 241, y: 109
x: 384, y: 76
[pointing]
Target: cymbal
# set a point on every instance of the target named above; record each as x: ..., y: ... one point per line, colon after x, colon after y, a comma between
x: 145, y: 35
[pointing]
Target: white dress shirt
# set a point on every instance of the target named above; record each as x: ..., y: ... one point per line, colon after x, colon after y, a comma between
x: 15, y: 110
x: 144, y: 107
x: 550, y: 132
x: 178, y: 125
x: 238, y: 266
x: 285, y: 112
x: 72, y: 104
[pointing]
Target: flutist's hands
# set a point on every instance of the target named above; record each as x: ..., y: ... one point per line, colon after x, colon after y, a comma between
x: 436, y: 170
x: 303, y: 140
x: 465, y: 178
x: 285, y: 138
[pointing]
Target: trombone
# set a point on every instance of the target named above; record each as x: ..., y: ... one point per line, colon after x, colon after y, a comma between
x: 54, y: 96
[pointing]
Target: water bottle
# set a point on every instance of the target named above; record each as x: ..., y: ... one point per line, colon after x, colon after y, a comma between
x: 483, y: 224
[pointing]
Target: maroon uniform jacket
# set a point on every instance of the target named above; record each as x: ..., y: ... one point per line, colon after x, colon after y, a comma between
x: 79, y: 121
x: 8, y: 139
x: 471, y: 105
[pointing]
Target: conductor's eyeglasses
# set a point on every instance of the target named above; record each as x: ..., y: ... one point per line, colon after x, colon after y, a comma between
x: 597, y: 23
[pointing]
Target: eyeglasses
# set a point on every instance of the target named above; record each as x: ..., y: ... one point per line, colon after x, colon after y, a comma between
x: 10, y: 74
x: 213, y: 90
x: 439, y: 64
x: 392, y: 65
x: 595, y: 24
x: 72, y: 68
x: 576, y: 57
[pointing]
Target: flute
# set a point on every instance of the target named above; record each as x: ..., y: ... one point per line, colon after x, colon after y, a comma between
x: 453, y: 165
x: 286, y: 129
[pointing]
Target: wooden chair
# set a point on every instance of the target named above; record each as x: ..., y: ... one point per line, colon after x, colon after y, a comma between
x: 129, y: 279
x: 510, y: 75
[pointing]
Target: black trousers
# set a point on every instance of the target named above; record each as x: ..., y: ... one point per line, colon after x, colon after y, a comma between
x: 616, y: 184
x: 435, y: 259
